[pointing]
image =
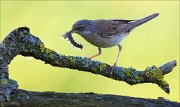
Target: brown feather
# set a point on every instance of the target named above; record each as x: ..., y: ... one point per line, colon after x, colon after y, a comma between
x: 110, y: 28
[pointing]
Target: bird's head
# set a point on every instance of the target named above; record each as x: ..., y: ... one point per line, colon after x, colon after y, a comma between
x: 83, y: 27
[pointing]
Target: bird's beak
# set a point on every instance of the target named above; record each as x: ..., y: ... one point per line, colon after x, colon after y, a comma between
x: 72, y: 31
x: 68, y: 33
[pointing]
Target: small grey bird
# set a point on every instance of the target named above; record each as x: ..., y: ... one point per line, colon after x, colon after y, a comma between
x: 106, y: 33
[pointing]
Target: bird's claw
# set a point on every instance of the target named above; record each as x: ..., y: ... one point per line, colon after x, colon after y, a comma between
x: 91, y: 57
x: 112, y: 69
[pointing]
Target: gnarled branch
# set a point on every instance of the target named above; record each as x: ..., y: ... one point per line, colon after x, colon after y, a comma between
x: 21, y: 42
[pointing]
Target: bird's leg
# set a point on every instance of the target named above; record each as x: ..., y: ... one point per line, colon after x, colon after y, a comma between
x: 120, y: 48
x: 99, y: 53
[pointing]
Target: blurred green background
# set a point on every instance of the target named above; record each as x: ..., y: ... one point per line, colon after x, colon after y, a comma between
x: 155, y: 42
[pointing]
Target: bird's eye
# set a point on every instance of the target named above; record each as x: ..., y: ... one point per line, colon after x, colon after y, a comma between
x: 81, y: 28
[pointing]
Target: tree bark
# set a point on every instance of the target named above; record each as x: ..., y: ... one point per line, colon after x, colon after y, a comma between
x: 52, y: 99
x: 21, y: 42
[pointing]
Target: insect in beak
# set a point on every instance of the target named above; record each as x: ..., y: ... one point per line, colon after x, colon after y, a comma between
x: 68, y: 33
x: 73, y: 42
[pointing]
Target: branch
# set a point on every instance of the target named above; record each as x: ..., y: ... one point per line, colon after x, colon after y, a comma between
x: 24, y: 98
x: 21, y: 42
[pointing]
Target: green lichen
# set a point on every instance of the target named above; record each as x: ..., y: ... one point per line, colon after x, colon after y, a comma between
x: 50, y: 52
x: 136, y: 79
x: 21, y: 33
x: 163, y: 82
x: 3, y: 82
x: 132, y: 76
x: 71, y: 59
x: 154, y: 73
x: 102, y: 66
x: 94, y: 69
x: 42, y: 47
x: 128, y: 72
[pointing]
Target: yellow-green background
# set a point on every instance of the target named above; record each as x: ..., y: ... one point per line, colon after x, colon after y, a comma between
x: 155, y: 42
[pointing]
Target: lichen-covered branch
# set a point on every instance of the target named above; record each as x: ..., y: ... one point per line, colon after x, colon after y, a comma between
x: 21, y: 42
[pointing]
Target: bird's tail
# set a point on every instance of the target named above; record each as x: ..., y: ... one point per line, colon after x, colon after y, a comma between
x: 143, y: 20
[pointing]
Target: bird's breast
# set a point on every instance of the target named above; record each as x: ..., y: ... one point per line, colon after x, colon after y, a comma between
x: 104, y: 42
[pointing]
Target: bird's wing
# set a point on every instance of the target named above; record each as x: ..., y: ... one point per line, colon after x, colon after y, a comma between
x: 110, y: 28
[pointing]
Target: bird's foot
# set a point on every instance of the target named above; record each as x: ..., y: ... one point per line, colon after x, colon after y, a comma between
x: 6, y: 88
x: 112, y: 69
x: 94, y: 56
x: 91, y: 57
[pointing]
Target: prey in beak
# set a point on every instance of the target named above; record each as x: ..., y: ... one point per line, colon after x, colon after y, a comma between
x: 72, y: 41
x: 68, y: 34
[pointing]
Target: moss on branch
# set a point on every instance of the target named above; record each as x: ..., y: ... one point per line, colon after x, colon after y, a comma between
x: 21, y: 42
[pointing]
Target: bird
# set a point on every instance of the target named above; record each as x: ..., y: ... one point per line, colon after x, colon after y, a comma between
x: 106, y: 33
